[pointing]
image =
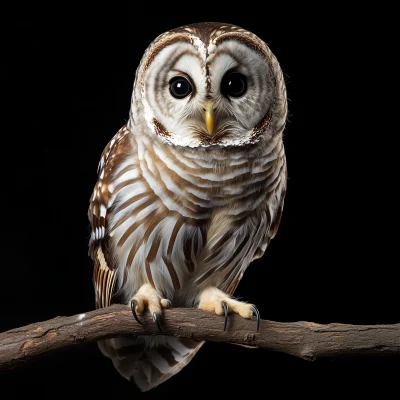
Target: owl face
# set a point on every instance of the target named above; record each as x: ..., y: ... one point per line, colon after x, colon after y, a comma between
x: 207, y: 85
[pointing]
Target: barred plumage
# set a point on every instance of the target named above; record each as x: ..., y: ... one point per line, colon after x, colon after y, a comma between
x: 179, y: 209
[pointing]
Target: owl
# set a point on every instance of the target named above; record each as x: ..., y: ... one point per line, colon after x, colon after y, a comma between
x: 191, y: 190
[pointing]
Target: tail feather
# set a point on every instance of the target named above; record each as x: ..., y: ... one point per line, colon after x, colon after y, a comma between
x: 150, y: 364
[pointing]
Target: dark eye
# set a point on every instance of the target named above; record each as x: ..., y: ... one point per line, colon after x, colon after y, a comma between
x: 234, y: 84
x: 180, y: 87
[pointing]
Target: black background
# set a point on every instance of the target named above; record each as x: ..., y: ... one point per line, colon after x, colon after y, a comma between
x: 66, y: 86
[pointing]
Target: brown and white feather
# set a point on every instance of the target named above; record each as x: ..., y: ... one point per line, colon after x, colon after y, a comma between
x: 176, y: 210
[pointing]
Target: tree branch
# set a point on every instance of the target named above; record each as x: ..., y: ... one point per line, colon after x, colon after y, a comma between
x: 306, y: 340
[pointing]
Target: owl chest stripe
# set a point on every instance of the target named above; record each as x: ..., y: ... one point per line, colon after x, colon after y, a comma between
x: 166, y: 239
x: 129, y: 231
x: 203, y: 188
x: 172, y: 273
x: 174, y: 233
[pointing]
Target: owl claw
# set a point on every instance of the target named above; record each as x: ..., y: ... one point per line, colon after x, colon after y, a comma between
x: 225, y: 307
x: 165, y: 303
x: 133, y: 308
x: 156, y: 319
x: 214, y: 300
x: 257, y: 314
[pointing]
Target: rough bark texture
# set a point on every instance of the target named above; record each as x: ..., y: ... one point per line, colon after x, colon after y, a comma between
x: 306, y: 340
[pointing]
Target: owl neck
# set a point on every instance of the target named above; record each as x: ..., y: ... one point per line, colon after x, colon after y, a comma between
x: 211, y: 177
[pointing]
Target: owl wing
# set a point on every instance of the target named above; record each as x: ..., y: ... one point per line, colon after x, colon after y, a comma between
x: 231, y: 248
x: 275, y: 220
x: 101, y: 200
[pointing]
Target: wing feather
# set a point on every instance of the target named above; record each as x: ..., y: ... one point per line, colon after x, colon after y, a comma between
x: 230, y: 248
x: 275, y: 219
x: 104, y: 273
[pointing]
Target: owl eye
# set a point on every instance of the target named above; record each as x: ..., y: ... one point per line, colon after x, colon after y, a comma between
x: 234, y: 84
x: 180, y: 87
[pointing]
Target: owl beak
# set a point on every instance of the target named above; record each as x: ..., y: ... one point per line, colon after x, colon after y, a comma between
x: 209, y: 116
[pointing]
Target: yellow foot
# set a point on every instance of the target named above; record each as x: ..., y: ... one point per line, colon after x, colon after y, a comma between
x: 214, y: 300
x: 147, y: 296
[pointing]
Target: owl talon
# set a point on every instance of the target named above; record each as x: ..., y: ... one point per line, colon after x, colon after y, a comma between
x: 256, y: 313
x: 156, y: 319
x: 165, y: 303
x: 133, y: 308
x: 225, y: 307
x: 214, y: 300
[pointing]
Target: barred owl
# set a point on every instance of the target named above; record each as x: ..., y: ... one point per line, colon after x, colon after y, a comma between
x: 191, y: 190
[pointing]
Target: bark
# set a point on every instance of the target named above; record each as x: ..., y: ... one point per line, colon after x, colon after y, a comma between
x: 306, y: 340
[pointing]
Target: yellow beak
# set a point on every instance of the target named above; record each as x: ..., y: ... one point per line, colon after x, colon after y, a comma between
x: 209, y: 116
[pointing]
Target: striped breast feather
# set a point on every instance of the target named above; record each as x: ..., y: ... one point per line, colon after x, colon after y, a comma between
x: 100, y: 202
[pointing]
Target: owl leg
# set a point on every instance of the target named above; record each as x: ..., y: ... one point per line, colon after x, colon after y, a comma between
x: 147, y: 296
x: 214, y: 300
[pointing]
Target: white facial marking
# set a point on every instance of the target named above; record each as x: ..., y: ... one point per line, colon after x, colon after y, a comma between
x: 180, y: 121
x: 200, y: 47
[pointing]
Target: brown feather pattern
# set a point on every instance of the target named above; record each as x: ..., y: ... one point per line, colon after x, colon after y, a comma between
x: 183, y: 218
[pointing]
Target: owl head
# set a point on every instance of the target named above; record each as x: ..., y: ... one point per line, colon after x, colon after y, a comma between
x: 209, y: 84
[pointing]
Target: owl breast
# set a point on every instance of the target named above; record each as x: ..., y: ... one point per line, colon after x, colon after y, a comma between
x: 183, y: 218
